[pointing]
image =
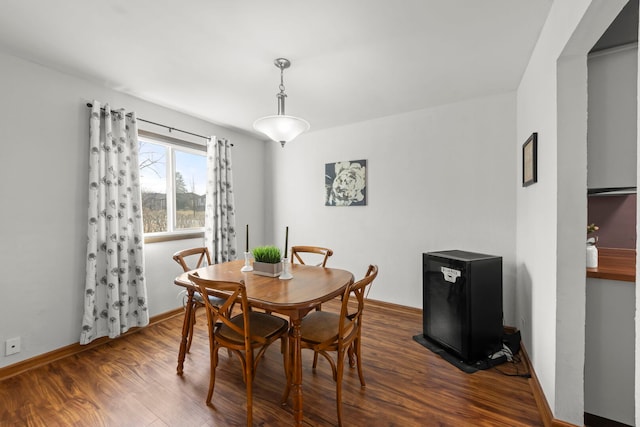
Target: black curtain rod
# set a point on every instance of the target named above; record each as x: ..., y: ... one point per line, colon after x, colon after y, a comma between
x: 161, y: 125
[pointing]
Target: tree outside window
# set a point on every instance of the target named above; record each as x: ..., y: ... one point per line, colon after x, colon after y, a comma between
x: 172, y: 205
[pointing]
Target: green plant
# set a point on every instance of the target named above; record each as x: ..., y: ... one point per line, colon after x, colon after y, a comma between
x: 268, y: 254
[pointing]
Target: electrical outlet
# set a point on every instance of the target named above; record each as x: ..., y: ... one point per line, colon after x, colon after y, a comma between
x: 12, y: 346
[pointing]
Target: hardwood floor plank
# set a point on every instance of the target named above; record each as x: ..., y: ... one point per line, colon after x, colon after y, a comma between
x: 133, y: 381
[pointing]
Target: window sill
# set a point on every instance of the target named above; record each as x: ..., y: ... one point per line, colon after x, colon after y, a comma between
x: 168, y: 237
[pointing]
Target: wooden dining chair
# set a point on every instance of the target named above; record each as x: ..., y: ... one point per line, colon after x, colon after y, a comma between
x: 324, y: 332
x: 191, y: 259
x: 241, y: 334
x: 317, y: 254
x: 321, y: 255
x: 311, y: 254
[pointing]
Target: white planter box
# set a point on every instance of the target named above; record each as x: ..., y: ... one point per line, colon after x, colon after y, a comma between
x: 266, y: 269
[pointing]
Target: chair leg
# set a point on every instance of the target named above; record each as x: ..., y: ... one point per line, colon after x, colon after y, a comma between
x: 315, y: 353
x: 249, y: 376
x: 351, y: 355
x: 358, y: 353
x: 287, y: 390
x: 339, y: 371
x: 287, y: 373
x: 212, y: 375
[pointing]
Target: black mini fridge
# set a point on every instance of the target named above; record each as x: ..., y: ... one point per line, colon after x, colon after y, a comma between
x: 462, y: 303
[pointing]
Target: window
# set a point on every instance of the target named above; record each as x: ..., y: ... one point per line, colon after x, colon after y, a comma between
x: 173, y: 176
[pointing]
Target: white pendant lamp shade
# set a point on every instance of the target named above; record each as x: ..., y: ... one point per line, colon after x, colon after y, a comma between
x: 281, y: 128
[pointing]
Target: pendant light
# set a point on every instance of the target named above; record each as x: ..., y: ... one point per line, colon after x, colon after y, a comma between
x: 281, y: 128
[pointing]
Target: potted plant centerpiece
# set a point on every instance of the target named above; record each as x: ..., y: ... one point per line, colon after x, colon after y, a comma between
x: 268, y: 261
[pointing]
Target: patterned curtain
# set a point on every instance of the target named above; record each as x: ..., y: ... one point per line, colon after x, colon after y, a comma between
x: 220, y: 211
x: 115, y: 290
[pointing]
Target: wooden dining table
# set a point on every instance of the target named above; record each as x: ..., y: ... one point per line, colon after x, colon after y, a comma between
x: 309, y: 287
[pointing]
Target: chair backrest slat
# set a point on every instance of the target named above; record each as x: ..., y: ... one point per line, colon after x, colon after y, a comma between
x: 357, y: 289
x: 186, y: 258
x: 223, y: 313
x: 324, y: 254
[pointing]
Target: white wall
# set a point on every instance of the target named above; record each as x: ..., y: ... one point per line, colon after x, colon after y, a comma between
x: 551, y: 215
x: 44, y: 130
x: 438, y: 179
x: 609, y: 350
x: 612, y: 117
x: 610, y: 305
x: 637, y: 299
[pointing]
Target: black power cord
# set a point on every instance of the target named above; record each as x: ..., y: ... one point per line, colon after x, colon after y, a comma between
x: 515, y: 360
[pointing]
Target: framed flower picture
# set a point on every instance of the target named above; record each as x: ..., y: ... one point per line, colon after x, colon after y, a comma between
x: 346, y: 183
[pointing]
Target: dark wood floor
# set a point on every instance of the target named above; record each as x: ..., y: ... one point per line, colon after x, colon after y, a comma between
x: 132, y: 381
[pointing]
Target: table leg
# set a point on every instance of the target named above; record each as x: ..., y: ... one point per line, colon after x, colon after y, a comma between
x: 296, y: 370
x: 186, y: 324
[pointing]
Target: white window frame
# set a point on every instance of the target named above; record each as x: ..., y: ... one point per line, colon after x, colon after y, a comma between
x: 172, y: 144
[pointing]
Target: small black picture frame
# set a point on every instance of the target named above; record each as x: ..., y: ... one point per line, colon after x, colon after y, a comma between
x: 530, y: 160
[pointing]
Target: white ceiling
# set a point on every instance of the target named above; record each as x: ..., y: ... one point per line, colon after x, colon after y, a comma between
x: 352, y: 60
